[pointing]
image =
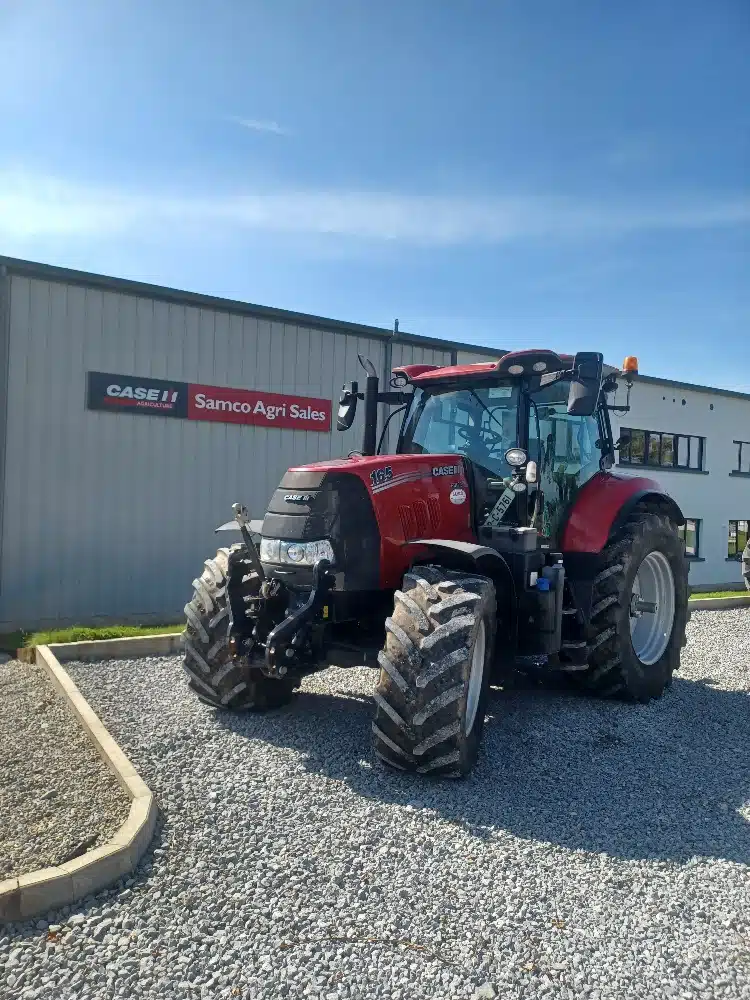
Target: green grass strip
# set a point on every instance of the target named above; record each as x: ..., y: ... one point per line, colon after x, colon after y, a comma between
x: 720, y: 593
x: 11, y: 641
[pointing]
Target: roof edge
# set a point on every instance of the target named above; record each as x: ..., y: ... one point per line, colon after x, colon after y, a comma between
x: 690, y: 386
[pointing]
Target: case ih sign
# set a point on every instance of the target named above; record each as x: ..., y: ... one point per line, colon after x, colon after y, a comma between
x: 189, y: 401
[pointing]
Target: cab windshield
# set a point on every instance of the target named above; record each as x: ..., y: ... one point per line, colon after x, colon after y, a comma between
x: 480, y: 423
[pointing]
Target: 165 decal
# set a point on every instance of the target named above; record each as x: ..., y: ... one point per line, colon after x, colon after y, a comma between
x: 378, y: 477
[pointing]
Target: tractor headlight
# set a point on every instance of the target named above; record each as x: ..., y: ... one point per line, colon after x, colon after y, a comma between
x: 515, y: 456
x: 272, y: 550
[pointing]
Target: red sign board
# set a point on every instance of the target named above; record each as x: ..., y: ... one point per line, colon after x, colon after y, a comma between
x: 139, y: 395
x: 262, y: 409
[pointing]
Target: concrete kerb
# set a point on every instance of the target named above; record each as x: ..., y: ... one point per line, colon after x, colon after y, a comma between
x: 118, y: 649
x: 49, y: 888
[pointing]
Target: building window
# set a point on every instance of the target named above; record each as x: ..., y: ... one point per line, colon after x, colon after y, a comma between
x: 658, y: 448
x: 743, y: 457
x: 737, y: 538
x: 690, y: 533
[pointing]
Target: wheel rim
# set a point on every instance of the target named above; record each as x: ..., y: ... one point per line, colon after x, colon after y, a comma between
x: 475, y: 679
x: 652, y: 608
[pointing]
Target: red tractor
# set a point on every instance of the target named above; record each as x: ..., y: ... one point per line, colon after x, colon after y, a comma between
x: 496, y: 536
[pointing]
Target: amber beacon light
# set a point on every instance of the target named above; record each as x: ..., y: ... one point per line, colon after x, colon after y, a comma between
x: 630, y: 365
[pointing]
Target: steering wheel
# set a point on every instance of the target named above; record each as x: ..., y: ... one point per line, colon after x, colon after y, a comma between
x: 483, y: 432
x: 489, y: 438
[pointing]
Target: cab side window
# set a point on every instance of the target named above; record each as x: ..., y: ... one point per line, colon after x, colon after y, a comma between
x: 570, y: 451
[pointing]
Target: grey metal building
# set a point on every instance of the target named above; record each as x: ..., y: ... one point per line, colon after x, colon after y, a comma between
x: 108, y: 516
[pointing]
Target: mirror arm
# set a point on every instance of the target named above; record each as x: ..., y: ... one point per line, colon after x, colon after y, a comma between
x: 394, y: 398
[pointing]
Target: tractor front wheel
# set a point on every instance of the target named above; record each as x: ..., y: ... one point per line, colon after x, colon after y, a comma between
x: 639, y: 610
x: 213, y: 674
x: 431, y: 695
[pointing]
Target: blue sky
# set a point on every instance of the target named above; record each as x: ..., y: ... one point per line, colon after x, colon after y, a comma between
x: 567, y: 175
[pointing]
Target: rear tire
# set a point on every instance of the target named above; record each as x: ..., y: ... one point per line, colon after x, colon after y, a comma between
x: 218, y: 680
x: 647, y: 547
x: 432, y: 691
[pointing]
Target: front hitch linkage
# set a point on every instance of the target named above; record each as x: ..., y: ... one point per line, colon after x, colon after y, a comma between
x: 281, y: 641
x: 240, y: 516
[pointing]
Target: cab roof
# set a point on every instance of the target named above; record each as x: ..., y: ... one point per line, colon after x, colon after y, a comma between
x: 535, y: 361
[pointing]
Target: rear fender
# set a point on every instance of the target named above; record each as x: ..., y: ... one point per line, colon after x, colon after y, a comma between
x: 665, y: 503
x: 605, y: 503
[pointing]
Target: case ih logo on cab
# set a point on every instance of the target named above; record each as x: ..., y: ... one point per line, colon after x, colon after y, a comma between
x: 267, y: 409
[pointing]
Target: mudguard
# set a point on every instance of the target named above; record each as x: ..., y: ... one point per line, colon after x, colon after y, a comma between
x: 604, y: 503
x: 470, y: 557
x: 467, y: 556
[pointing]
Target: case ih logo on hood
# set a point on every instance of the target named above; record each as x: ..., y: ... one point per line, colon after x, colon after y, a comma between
x: 140, y: 395
x: 299, y: 497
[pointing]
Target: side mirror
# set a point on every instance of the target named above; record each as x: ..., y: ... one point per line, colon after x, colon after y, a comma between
x: 347, y: 406
x: 586, y: 384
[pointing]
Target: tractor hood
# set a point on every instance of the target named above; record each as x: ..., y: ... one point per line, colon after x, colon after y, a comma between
x: 328, y: 501
x: 361, y: 466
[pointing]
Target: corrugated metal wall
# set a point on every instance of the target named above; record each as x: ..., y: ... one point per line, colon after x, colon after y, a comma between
x: 474, y: 357
x: 4, y: 337
x: 416, y: 354
x: 109, y: 515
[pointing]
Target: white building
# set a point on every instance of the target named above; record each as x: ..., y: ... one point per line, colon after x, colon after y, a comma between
x: 695, y: 441
x: 108, y: 516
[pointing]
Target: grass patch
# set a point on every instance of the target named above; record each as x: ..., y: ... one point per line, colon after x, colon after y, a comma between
x: 11, y: 641
x: 720, y: 593
x: 79, y: 633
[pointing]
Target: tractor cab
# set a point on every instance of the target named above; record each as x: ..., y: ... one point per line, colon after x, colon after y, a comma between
x: 540, y: 433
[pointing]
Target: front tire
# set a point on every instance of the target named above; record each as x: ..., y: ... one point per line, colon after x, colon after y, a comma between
x: 633, y: 653
x: 213, y: 675
x: 432, y: 691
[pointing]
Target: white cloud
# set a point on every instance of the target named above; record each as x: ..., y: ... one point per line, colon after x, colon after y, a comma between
x: 256, y: 125
x: 33, y: 206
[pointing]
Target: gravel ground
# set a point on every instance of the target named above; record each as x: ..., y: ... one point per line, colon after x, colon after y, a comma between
x: 598, y: 851
x: 45, y: 817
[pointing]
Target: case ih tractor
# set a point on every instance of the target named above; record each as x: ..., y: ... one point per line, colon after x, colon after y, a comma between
x: 496, y: 536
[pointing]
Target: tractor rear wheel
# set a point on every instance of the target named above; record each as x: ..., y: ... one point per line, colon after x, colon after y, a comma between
x: 215, y: 677
x: 639, y: 610
x: 432, y: 691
